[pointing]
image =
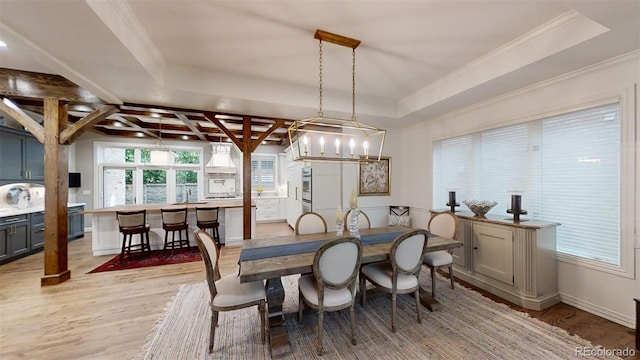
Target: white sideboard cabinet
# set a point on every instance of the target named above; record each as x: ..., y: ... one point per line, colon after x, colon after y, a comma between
x: 515, y: 261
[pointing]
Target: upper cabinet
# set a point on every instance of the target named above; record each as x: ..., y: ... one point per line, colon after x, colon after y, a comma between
x: 21, y: 156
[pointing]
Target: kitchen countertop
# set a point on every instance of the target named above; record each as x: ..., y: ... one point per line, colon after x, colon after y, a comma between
x: 8, y: 211
x: 151, y: 208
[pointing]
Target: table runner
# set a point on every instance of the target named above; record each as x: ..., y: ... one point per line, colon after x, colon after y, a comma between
x: 308, y: 247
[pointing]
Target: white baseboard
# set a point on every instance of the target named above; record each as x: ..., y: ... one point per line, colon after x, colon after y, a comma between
x: 598, y: 310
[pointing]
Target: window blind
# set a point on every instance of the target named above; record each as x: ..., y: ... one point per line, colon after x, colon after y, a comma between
x: 566, y: 167
x: 581, y: 181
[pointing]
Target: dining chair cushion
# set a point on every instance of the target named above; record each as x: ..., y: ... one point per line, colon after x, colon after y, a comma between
x: 232, y: 292
x: 381, y: 273
x: 309, y: 289
x: 438, y: 258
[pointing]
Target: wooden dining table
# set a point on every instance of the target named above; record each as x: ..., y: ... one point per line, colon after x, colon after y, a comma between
x: 271, y: 258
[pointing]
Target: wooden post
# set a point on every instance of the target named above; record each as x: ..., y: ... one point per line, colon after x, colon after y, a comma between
x: 56, y: 172
x: 246, y: 177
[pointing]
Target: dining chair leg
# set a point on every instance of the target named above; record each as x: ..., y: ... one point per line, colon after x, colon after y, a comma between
x: 124, y: 242
x: 320, y: 320
x: 433, y: 281
x: 262, y: 324
x: 352, y: 314
x: 212, y: 332
x: 417, y: 297
x: 300, y: 306
x: 451, y: 275
x: 393, y: 311
x: 363, y: 290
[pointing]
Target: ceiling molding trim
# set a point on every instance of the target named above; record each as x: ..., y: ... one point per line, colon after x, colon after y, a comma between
x: 558, y: 34
x: 29, y: 48
x: 125, y: 25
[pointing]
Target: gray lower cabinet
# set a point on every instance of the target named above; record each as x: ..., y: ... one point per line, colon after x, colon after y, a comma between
x: 515, y: 261
x: 24, y: 234
x: 37, y: 231
x: 76, y: 222
x: 14, y: 237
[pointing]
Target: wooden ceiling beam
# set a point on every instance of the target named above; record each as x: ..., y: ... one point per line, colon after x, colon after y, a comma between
x: 42, y: 86
x: 191, y: 127
x: 21, y: 117
x: 137, y: 127
x: 256, y: 143
x: 71, y: 133
x: 211, y: 117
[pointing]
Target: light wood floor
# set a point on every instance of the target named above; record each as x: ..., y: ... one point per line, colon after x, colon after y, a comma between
x: 109, y: 315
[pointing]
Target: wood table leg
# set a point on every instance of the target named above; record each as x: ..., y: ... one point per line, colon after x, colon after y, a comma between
x: 279, y: 344
x: 429, y: 301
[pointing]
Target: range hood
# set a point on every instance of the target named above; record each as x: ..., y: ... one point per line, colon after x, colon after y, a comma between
x: 220, y: 162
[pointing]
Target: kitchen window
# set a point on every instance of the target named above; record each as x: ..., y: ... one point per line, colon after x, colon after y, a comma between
x: 263, y: 172
x: 566, y: 167
x: 138, y: 175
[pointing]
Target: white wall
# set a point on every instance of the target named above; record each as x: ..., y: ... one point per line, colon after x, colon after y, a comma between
x: 602, y: 293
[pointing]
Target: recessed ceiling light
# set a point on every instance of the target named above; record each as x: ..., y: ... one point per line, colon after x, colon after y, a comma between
x: 139, y: 134
x: 117, y: 124
x: 264, y: 141
x: 185, y: 137
x: 155, y: 115
x: 3, y: 44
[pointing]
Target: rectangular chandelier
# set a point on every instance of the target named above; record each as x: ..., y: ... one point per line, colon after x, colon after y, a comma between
x: 330, y: 139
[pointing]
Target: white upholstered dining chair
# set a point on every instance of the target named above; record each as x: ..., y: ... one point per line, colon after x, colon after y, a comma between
x: 446, y: 225
x: 310, y: 223
x: 398, y: 275
x: 228, y: 293
x: 332, y: 286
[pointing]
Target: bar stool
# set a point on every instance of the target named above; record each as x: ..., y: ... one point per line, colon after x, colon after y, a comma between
x: 175, y: 220
x: 207, y: 218
x: 131, y: 223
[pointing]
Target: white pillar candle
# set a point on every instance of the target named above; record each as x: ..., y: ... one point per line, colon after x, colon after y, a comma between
x: 353, y: 200
x: 339, y: 214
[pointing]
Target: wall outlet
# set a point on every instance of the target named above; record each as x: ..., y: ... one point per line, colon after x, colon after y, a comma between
x: 86, y: 192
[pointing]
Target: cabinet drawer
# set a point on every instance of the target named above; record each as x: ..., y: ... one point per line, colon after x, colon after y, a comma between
x: 267, y: 208
x: 8, y: 220
x: 266, y: 216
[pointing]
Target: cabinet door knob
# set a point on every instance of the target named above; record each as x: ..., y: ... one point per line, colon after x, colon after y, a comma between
x: 475, y: 248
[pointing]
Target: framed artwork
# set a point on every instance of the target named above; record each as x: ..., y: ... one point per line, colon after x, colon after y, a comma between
x: 374, y: 178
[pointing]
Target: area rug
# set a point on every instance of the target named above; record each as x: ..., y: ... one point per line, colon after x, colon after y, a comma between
x: 468, y: 326
x: 152, y: 258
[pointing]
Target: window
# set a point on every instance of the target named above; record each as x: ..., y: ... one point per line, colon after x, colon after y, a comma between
x: 263, y: 172
x: 566, y: 167
x: 133, y: 175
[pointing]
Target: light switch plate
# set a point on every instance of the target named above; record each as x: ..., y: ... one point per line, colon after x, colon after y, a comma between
x: 86, y: 192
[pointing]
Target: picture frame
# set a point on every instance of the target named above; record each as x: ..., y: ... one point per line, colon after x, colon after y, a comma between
x: 374, y: 177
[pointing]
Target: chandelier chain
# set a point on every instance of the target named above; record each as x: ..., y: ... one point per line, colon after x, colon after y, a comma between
x: 353, y: 87
x: 320, y: 67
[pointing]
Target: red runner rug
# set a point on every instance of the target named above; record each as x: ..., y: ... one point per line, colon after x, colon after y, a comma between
x: 153, y: 258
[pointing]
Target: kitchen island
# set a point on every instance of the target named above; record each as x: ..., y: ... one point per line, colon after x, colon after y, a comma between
x: 106, y: 238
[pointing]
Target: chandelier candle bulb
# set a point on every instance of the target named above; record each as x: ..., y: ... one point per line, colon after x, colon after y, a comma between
x: 365, y: 145
x: 337, y: 147
x: 352, y: 144
x: 305, y: 141
x: 321, y: 144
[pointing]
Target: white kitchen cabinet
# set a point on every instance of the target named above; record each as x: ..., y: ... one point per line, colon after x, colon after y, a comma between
x: 268, y: 209
x: 294, y: 189
x: 516, y: 261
